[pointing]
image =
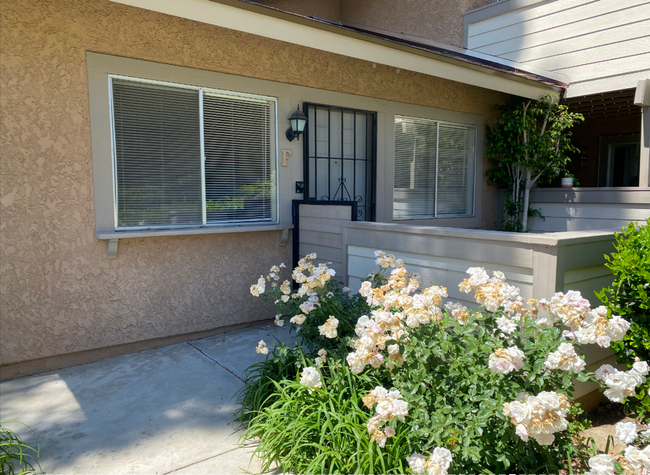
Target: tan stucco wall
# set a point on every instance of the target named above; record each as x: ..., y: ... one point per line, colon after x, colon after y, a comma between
x: 437, y: 20
x: 59, y: 293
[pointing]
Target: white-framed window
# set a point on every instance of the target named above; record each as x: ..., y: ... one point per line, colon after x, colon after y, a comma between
x: 435, y: 166
x: 186, y: 156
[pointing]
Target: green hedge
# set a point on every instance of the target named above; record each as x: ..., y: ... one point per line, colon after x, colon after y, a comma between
x: 629, y: 297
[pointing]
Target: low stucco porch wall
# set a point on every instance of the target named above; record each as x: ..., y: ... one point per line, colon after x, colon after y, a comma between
x: 540, y: 264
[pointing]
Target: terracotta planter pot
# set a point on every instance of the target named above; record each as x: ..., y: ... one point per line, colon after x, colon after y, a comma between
x: 567, y: 182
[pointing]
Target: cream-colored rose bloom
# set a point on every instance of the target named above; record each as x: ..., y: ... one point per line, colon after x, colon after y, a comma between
x: 262, y: 348
x: 310, y: 378
x: 298, y: 319
x: 328, y: 329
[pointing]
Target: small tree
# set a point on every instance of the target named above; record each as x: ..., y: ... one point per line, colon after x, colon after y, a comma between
x: 529, y: 143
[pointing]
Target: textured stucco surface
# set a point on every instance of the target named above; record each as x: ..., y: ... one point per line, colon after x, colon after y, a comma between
x: 59, y: 293
x: 437, y: 20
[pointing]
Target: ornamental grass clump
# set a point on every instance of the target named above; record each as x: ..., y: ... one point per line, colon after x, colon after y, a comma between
x: 16, y: 457
x: 310, y: 429
x: 411, y: 382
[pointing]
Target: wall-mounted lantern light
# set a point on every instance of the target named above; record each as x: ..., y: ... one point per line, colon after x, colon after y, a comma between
x: 298, y: 120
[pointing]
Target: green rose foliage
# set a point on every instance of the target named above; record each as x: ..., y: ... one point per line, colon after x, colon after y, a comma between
x: 332, y: 300
x: 629, y: 297
x: 346, y: 309
x: 456, y: 401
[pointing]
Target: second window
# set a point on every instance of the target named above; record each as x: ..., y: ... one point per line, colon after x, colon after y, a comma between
x: 434, y: 169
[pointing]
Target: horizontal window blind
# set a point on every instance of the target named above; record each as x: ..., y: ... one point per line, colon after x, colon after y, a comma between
x: 191, y: 157
x: 415, y: 167
x: 239, y: 179
x: 455, y: 170
x: 434, y: 169
x: 158, y: 155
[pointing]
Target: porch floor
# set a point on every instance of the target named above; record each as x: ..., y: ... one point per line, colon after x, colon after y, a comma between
x: 161, y: 411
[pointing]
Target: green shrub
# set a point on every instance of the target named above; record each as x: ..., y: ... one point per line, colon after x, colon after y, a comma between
x: 324, y: 297
x: 457, y: 402
x: 15, y: 456
x: 529, y: 143
x: 484, y: 391
x: 629, y: 296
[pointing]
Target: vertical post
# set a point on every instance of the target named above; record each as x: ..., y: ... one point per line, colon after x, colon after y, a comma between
x: 642, y: 98
x: 548, y: 271
x: 644, y: 165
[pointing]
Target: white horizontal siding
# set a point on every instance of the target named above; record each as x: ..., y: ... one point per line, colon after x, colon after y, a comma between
x: 435, y: 270
x: 596, y: 53
x: 595, y: 211
x: 586, y: 280
x: 605, y: 69
x: 582, y: 45
x: 608, y: 84
x: 586, y: 216
x: 526, y: 37
x: 581, y: 16
x: 321, y: 231
x: 600, y: 45
x: 538, y: 11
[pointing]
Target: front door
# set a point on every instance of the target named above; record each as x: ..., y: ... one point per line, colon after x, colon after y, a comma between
x: 340, y: 154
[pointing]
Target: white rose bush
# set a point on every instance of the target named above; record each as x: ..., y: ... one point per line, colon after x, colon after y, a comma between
x: 398, y: 379
x: 636, y: 456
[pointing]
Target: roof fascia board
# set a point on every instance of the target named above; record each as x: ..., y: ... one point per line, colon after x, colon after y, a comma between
x: 327, y: 38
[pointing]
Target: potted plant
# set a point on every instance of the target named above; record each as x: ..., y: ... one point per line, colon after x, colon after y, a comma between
x: 568, y: 180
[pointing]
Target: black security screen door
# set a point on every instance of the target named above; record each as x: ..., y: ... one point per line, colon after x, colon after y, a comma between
x: 339, y: 156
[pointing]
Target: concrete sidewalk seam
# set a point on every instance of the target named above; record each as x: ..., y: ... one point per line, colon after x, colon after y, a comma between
x: 209, y: 458
x: 215, y: 361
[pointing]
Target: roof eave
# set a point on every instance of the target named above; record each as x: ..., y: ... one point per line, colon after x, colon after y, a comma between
x: 269, y: 22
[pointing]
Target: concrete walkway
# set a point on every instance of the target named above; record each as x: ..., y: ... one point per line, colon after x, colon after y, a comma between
x: 162, y: 411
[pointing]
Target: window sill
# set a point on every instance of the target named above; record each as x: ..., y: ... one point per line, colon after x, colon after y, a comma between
x: 437, y: 218
x: 112, y: 237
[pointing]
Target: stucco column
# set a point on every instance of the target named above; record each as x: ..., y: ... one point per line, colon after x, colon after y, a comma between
x: 642, y: 98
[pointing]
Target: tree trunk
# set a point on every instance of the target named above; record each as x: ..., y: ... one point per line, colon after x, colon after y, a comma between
x: 524, y: 218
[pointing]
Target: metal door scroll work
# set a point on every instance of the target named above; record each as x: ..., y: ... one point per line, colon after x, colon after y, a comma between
x: 340, y: 156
